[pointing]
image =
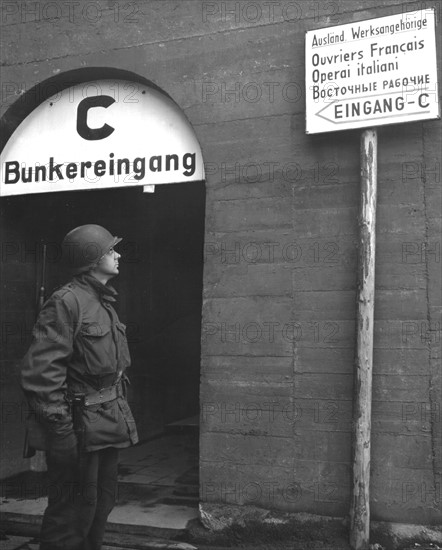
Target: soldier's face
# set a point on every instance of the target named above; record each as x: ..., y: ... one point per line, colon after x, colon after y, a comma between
x: 108, y: 265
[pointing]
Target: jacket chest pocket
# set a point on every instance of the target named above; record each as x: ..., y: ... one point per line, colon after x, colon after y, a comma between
x: 98, y: 348
x: 123, y: 348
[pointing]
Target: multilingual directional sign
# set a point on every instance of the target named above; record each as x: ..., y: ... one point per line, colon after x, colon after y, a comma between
x: 371, y: 73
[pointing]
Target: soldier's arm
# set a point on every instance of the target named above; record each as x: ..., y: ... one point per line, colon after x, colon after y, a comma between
x: 44, y: 367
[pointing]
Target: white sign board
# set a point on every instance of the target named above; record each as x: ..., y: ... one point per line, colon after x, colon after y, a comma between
x: 106, y: 133
x: 370, y: 73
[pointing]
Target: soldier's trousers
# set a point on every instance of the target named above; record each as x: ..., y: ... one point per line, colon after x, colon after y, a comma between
x: 80, y: 499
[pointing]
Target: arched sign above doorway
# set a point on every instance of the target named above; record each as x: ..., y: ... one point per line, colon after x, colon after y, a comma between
x: 101, y: 134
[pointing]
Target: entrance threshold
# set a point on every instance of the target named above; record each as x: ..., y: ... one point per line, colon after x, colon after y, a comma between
x: 159, y: 483
x: 157, y: 489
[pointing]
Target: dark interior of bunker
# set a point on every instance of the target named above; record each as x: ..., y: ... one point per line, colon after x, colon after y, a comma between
x: 159, y: 288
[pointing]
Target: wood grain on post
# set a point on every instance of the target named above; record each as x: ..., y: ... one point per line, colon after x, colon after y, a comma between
x: 360, y: 498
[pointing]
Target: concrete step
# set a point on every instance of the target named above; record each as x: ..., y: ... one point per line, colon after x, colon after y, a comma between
x: 155, y: 511
x: 25, y: 538
x: 189, y: 425
x: 161, y: 520
x: 158, y: 490
x: 166, y: 520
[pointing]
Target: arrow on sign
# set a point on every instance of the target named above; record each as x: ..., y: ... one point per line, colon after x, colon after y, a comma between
x: 369, y: 108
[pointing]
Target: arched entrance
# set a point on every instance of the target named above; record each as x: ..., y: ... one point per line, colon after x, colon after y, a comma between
x: 160, y: 281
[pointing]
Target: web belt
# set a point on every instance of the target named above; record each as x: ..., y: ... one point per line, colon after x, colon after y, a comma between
x: 104, y: 395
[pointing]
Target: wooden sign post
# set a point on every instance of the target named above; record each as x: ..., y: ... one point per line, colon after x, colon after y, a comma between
x: 361, y: 428
x: 366, y: 74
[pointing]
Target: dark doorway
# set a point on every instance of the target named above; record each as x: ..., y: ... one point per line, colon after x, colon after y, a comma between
x: 159, y: 286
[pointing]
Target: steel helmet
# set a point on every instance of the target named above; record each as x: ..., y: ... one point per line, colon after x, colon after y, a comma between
x: 84, y: 246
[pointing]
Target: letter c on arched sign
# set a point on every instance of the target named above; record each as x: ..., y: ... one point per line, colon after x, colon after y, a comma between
x: 92, y: 134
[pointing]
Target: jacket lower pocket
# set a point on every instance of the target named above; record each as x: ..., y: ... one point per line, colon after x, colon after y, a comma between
x: 104, y: 425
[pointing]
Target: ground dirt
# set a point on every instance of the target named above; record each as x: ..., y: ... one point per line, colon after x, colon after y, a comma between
x: 294, y: 536
x: 255, y: 535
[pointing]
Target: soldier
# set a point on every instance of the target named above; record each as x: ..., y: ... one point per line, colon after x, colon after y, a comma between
x: 73, y: 376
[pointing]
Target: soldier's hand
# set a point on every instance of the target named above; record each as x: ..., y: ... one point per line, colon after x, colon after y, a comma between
x: 63, y: 449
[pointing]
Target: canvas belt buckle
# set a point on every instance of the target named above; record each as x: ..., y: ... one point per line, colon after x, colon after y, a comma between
x: 102, y: 396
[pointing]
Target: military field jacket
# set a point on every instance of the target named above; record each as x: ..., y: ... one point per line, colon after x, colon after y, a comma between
x: 79, y: 346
